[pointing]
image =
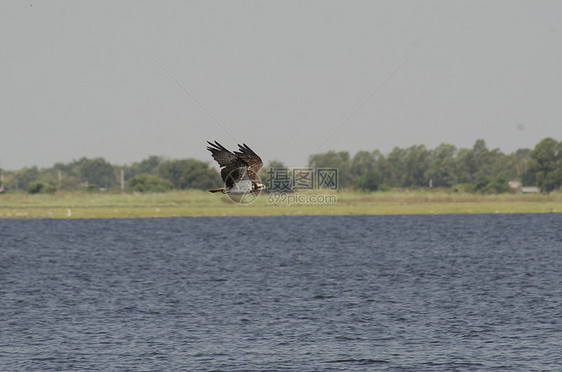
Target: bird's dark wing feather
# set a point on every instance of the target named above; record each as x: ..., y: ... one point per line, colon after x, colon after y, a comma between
x: 251, y: 158
x: 232, y: 166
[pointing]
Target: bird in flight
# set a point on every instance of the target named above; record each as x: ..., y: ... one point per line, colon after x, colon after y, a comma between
x: 239, y: 169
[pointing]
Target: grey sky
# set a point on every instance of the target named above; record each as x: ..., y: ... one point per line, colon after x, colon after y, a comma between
x: 80, y: 78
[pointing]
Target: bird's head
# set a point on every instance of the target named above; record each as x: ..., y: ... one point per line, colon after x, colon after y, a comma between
x: 260, y: 186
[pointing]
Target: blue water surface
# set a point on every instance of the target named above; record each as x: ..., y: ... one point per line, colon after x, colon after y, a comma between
x: 337, y: 293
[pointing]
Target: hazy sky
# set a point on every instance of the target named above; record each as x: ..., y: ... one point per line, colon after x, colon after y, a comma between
x: 83, y: 78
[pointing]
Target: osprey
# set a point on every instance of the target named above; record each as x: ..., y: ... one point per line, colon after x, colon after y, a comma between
x: 239, y: 170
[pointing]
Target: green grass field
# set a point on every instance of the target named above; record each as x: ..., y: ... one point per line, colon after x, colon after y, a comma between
x: 194, y: 203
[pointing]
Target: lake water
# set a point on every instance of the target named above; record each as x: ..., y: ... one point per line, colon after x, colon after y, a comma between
x: 353, y: 293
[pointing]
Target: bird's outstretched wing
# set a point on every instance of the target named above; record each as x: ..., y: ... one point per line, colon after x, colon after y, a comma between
x: 232, y: 166
x: 251, y: 158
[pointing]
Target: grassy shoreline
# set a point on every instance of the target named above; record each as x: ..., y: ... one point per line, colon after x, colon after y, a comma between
x: 194, y: 203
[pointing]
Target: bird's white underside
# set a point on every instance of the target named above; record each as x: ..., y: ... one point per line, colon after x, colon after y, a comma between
x: 241, y: 187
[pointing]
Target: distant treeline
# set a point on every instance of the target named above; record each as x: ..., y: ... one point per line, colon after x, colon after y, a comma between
x: 477, y: 169
x: 154, y: 174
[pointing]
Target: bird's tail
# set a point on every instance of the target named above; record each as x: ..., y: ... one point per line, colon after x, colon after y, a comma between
x: 218, y: 190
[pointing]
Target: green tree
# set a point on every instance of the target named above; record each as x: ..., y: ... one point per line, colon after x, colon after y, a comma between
x: 417, y: 162
x: 396, y: 167
x: 331, y: 159
x: 147, y: 166
x: 475, y: 163
x: 22, y: 178
x: 546, y: 164
x: 190, y: 174
x: 465, y: 165
x: 521, y: 161
x: 97, y: 171
x: 362, y: 163
x: 370, y: 181
x: 366, y: 170
x: 70, y: 175
x: 483, y: 158
x: 442, y: 171
x: 40, y: 187
x: 149, y: 183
